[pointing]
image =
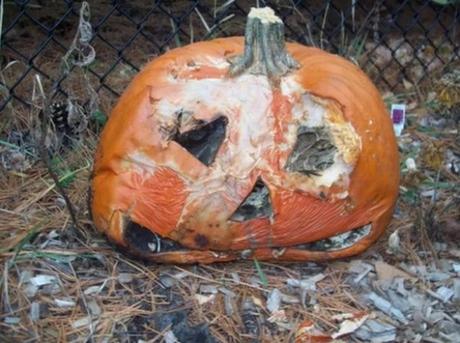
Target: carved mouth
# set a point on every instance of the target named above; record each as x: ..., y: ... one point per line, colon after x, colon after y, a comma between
x: 144, y: 243
x: 339, y: 241
x: 256, y: 205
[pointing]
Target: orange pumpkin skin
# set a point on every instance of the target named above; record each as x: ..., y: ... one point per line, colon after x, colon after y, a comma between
x: 141, y: 176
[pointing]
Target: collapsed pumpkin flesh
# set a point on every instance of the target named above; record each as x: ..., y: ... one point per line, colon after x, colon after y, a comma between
x: 234, y: 149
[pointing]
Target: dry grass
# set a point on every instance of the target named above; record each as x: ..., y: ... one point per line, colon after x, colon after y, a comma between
x: 110, y: 297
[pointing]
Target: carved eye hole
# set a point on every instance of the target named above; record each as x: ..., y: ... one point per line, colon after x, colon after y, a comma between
x: 313, y: 151
x: 256, y: 205
x: 204, y: 141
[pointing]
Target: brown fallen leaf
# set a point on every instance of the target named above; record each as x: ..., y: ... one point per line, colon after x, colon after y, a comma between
x: 308, y: 333
x: 412, y: 179
x: 450, y: 229
x: 350, y: 325
x: 388, y: 272
x: 203, y: 299
x: 432, y: 154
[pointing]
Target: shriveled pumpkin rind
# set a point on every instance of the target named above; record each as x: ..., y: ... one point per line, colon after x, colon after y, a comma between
x: 297, y: 216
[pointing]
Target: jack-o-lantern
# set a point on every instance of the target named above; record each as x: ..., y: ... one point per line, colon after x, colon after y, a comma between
x: 246, y: 148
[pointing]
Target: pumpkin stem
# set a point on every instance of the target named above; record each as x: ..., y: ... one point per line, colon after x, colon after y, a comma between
x: 264, y: 47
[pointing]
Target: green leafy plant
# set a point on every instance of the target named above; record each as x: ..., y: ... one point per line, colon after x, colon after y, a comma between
x: 99, y: 118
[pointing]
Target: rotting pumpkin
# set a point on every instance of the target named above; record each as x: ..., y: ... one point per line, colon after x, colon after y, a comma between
x: 246, y: 148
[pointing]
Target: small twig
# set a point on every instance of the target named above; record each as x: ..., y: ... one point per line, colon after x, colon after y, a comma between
x: 216, y: 25
x: 205, y: 24
x: 199, y: 276
x: 435, y: 188
x: 1, y: 20
x: 353, y: 13
x: 81, y: 38
x: 260, y: 272
x: 224, y: 7
x: 175, y: 32
x: 44, y: 155
x: 85, y: 303
x: 14, y: 146
x: 6, y: 297
x: 191, y: 30
x: 323, y: 24
x: 310, y: 36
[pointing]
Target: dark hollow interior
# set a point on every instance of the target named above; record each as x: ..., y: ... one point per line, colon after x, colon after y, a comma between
x: 144, y: 241
x: 339, y: 241
x: 256, y: 205
x: 204, y: 142
x: 313, y: 151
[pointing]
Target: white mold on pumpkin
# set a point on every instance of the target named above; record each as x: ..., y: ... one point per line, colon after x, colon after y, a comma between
x: 246, y: 101
x: 140, y: 163
x: 313, y: 112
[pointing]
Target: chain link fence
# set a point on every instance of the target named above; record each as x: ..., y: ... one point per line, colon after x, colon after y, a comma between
x: 395, y: 42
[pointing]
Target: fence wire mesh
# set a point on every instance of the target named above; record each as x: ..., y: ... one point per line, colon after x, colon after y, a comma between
x: 395, y: 42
